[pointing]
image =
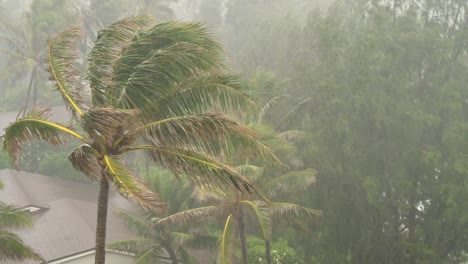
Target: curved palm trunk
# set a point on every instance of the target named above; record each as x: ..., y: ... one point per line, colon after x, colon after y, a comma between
x: 102, y: 220
x: 267, y: 252
x: 172, y: 255
x: 242, y: 236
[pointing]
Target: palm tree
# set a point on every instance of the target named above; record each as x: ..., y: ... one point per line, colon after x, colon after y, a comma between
x: 152, y: 241
x: 11, y: 245
x: 235, y: 207
x: 150, y: 87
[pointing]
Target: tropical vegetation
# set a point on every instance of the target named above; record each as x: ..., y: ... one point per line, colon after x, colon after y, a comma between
x: 11, y: 245
x: 151, y: 87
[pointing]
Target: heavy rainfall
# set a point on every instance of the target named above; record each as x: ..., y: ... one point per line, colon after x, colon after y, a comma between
x: 234, y: 131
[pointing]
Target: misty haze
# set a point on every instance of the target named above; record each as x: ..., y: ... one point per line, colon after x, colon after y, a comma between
x: 234, y: 131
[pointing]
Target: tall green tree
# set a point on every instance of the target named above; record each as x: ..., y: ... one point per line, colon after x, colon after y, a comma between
x: 150, y: 88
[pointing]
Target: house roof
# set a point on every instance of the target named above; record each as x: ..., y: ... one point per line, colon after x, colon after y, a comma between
x: 66, y: 223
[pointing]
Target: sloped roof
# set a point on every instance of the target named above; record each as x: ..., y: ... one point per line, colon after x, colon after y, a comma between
x: 66, y: 226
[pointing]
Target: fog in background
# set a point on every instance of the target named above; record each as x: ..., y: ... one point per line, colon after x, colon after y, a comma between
x: 371, y: 94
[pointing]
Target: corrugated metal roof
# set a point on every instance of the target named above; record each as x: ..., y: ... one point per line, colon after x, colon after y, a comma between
x: 68, y: 226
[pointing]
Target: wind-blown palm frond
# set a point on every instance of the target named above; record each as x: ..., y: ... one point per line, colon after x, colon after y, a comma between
x: 254, y: 173
x: 205, y: 93
x: 130, y: 186
x: 267, y: 107
x: 261, y: 213
x: 150, y: 255
x: 200, y: 169
x: 35, y: 125
x: 168, y: 56
x: 291, y: 136
x: 133, y: 223
x: 285, y: 211
x: 226, y: 240
x: 291, y: 114
x: 13, y: 217
x: 133, y: 245
x: 192, y: 216
x: 210, y: 133
x: 290, y: 181
x: 12, y: 247
x: 84, y: 158
x: 186, y: 257
x: 109, y: 47
x: 211, y: 193
x: 62, y: 63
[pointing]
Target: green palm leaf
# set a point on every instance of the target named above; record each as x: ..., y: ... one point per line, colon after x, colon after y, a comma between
x: 192, y: 216
x: 133, y: 223
x: 64, y: 69
x: 261, y: 214
x: 290, y: 181
x: 210, y: 133
x: 150, y: 255
x: 108, y: 49
x: 285, y: 211
x: 133, y: 245
x: 13, y: 217
x: 12, y: 247
x: 200, y: 169
x: 130, y: 186
x: 35, y: 125
x: 205, y: 93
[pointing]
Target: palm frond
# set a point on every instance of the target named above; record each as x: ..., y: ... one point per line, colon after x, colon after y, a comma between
x: 200, y: 169
x: 64, y: 71
x: 13, y: 217
x: 292, y: 114
x: 205, y: 93
x: 289, y: 182
x: 211, y: 193
x: 35, y: 125
x: 108, y: 49
x: 186, y: 257
x: 84, y: 159
x: 261, y: 214
x: 292, y: 136
x: 13, y: 248
x: 267, y: 107
x: 192, y: 216
x: 133, y: 223
x: 150, y: 256
x: 254, y: 173
x: 137, y: 246
x: 162, y: 70
x: 285, y: 211
x: 210, y: 133
x: 226, y: 240
x: 131, y: 186
x: 160, y: 37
